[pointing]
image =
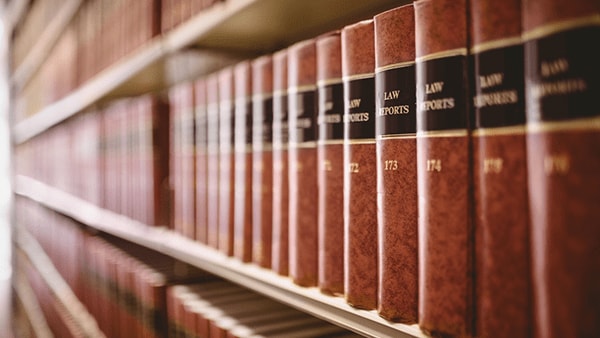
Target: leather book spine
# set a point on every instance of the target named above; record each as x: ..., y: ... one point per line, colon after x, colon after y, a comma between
x: 201, y: 160
x: 243, y: 162
x: 159, y: 119
x: 563, y: 141
x: 360, y: 168
x: 226, y: 165
x: 280, y: 248
x: 188, y: 149
x: 302, y: 163
x: 444, y: 168
x: 501, y: 213
x: 262, y: 160
x: 395, y: 133
x: 212, y: 164
x: 330, y: 163
x: 175, y: 157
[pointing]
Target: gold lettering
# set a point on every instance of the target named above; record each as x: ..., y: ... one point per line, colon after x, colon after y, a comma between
x: 491, y: 80
x: 394, y: 110
x: 391, y: 95
x: 354, y: 103
x: 557, y: 164
x: 438, y: 104
x: 353, y: 167
x: 549, y: 68
x: 492, y: 165
x: 327, y: 165
x: 435, y: 87
x: 391, y: 165
x: 434, y: 165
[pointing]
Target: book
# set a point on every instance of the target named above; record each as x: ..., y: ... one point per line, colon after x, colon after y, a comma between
x: 395, y: 133
x: 501, y: 212
x: 330, y: 163
x: 213, y: 165
x: 443, y: 168
x: 243, y: 162
x: 226, y: 164
x: 302, y: 162
x: 280, y: 248
x: 262, y: 160
x: 563, y: 134
x: 201, y: 159
x: 360, y: 168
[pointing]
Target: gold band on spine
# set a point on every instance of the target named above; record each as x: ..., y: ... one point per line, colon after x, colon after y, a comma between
x: 511, y: 130
x: 301, y: 89
x: 396, y: 136
x: 561, y: 26
x: 582, y: 124
x: 439, y: 55
x: 360, y: 141
x: 500, y: 43
x: 358, y: 77
x: 309, y: 144
x: 443, y: 133
x: 328, y: 142
x: 327, y: 82
x: 394, y: 66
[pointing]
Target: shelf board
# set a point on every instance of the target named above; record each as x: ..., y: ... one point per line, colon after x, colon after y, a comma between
x: 28, y: 245
x: 30, y: 306
x: 221, y: 35
x: 264, y: 281
x: 41, y: 49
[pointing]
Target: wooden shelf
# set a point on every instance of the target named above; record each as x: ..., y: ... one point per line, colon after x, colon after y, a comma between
x: 31, y: 249
x: 223, y: 34
x: 38, y: 53
x: 309, y: 300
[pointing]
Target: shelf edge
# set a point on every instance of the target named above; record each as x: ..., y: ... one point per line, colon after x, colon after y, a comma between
x: 264, y: 281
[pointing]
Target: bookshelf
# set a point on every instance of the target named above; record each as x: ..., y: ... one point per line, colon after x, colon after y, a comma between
x: 218, y: 36
x: 225, y: 33
x: 310, y: 300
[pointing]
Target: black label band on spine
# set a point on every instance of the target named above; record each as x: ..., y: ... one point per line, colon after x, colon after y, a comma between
x: 395, y: 101
x: 263, y: 120
x: 280, y: 118
x: 331, y: 111
x: 562, y: 75
x: 499, y: 86
x: 359, y: 109
x: 441, y: 94
x: 302, y: 125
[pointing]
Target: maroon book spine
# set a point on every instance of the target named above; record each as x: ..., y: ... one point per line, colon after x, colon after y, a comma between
x: 201, y: 191
x: 443, y: 168
x: 395, y: 132
x: 175, y: 158
x: 330, y: 163
x: 280, y: 248
x: 226, y: 165
x: 188, y: 150
x: 212, y: 142
x: 501, y: 213
x: 302, y: 165
x: 360, y: 167
x: 243, y: 162
x: 563, y: 142
x: 158, y: 112
x: 262, y: 160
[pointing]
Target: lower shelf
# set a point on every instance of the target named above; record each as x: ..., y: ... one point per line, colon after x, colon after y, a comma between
x: 309, y: 300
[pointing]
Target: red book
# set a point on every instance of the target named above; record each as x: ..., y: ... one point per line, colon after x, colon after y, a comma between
x: 201, y: 160
x: 157, y: 116
x: 175, y: 169
x: 330, y: 163
x: 243, y: 162
x: 188, y: 183
x: 226, y: 164
x: 501, y: 213
x: 360, y: 166
x: 212, y: 163
x: 280, y: 248
x: 395, y: 130
x: 563, y: 139
x: 302, y: 165
x: 443, y: 168
x: 262, y: 160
